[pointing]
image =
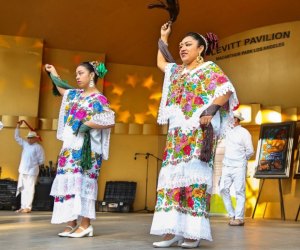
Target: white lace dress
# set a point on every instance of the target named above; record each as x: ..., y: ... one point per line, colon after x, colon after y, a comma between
x: 185, y: 182
x: 75, y: 189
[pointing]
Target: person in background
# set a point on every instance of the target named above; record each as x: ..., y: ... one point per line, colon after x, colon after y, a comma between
x: 238, y: 150
x: 84, y: 127
x: 197, y: 102
x: 32, y: 157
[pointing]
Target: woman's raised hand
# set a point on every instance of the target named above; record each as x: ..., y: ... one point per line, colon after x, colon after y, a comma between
x: 50, y: 68
x: 165, y: 31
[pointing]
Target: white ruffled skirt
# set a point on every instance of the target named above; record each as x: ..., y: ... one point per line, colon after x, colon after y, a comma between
x: 74, y: 189
x: 74, y: 197
x: 183, y: 200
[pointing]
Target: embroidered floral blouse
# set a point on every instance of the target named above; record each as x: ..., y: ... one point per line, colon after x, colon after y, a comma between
x: 186, y: 94
x: 75, y: 110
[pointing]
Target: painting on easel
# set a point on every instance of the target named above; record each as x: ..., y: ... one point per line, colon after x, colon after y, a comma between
x: 297, y: 171
x: 274, y: 151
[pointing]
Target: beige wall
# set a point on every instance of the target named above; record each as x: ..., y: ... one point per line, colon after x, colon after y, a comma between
x: 268, y: 77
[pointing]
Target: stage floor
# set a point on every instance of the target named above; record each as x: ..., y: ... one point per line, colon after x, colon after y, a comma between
x: 124, y: 231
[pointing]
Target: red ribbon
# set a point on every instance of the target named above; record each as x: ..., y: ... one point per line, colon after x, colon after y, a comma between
x: 31, y: 128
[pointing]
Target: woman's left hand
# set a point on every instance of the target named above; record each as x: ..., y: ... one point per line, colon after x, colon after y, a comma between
x: 205, y: 120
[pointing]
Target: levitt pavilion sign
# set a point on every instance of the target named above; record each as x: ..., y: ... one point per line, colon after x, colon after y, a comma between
x: 277, y: 40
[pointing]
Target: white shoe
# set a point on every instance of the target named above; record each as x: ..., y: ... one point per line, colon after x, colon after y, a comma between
x: 66, y: 234
x: 85, y: 232
x: 190, y: 244
x: 168, y: 243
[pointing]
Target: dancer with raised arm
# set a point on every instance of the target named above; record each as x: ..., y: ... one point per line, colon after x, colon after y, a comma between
x: 84, y: 126
x: 197, y: 102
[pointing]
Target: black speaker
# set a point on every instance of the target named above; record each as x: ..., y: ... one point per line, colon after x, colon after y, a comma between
x: 8, y: 199
x: 42, y: 200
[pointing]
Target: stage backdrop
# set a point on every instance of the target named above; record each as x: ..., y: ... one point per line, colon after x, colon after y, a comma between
x: 263, y: 64
x: 20, y: 73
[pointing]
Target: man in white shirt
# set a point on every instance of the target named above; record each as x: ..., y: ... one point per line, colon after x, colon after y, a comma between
x: 238, y: 150
x: 32, y: 157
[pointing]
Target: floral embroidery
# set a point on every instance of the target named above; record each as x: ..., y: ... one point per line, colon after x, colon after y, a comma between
x: 182, y: 146
x: 69, y: 170
x: 103, y: 99
x: 76, y: 114
x: 62, y: 161
x: 72, y: 94
x: 76, y: 125
x: 98, y: 107
x: 80, y: 114
x: 73, y: 157
x: 192, y: 91
x: 64, y: 198
x: 76, y: 154
x: 193, y: 200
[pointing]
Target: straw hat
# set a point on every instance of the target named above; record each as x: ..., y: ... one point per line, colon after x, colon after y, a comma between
x: 238, y: 114
x: 31, y: 134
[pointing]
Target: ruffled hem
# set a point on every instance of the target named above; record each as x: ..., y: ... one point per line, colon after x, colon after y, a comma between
x: 163, y: 117
x: 105, y: 140
x: 185, y: 225
x: 60, y: 125
x: 105, y: 118
x: 72, y: 209
x: 78, y: 184
x: 184, y: 174
x: 228, y: 121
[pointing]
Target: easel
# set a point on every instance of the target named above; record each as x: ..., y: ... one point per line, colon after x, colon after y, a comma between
x: 281, y: 199
x: 297, y: 214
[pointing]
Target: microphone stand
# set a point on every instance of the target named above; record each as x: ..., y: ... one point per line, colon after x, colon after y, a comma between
x: 157, y: 161
x: 147, y: 155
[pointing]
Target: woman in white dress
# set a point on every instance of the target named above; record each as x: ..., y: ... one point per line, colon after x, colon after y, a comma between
x: 197, y: 103
x: 84, y: 126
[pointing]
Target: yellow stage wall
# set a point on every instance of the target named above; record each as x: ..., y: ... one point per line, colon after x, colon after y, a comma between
x: 20, y: 72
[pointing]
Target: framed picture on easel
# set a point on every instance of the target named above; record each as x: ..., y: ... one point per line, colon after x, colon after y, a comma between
x: 274, y: 150
x: 297, y: 171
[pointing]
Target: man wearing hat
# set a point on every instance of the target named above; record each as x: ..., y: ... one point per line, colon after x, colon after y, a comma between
x: 32, y: 157
x: 238, y: 150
